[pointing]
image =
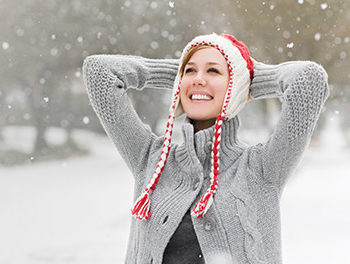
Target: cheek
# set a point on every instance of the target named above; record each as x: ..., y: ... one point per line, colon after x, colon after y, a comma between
x: 183, y: 88
x: 221, y: 88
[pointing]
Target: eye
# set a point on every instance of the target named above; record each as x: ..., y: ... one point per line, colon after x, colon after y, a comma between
x: 189, y: 70
x: 213, y: 70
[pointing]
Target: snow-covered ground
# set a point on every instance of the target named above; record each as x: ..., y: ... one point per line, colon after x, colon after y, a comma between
x: 78, y: 210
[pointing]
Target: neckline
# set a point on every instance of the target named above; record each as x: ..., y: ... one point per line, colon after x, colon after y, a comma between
x: 195, y: 150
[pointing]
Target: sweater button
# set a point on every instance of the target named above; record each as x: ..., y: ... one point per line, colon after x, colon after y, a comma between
x: 208, y: 225
x: 208, y: 146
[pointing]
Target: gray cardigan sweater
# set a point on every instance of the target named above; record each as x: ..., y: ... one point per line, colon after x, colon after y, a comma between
x: 243, y: 223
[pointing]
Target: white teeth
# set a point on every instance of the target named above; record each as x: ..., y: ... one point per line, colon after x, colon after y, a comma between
x: 201, y: 97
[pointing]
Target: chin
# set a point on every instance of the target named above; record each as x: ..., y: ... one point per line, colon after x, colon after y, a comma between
x: 202, y: 116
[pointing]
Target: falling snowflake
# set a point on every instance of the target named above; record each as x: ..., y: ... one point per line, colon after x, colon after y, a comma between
x: 5, y: 45
x: 154, y: 45
x: 20, y: 32
x: 301, y: 2
x: 286, y: 34
x: 324, y: 6
x: 53, y: 51
x: 290, y: 45
x: 80, y: 39
x: 154, y: 5
x: 171, y: 4
x: 342, y: 55
x: 46, y: 99
x: 178, y: 53
x: 317, y: 36
x: 86, y: 120
x: 67, y: 46
x: 53, y: 36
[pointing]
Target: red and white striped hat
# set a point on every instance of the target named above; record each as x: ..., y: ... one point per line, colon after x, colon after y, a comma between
x: 240, y: 66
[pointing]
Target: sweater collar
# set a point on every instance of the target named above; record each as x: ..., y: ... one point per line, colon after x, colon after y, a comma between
x: 195, y: 151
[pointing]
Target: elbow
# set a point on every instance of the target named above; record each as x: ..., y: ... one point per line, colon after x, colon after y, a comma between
x: 89, y: 63
x: 318, y: 76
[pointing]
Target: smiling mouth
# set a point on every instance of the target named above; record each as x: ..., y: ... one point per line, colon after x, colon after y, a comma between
x: 201, y: 97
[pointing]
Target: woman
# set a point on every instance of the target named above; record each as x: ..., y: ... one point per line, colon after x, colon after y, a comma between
x: 212, y: 199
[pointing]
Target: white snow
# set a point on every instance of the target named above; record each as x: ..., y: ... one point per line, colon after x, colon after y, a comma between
x: 78, y: 210
x: 317, y: 36
x: 290, y: 45
x: 86, y: 120
x: 324, y: 6
x: 80, y: 39
x: 5, y: 45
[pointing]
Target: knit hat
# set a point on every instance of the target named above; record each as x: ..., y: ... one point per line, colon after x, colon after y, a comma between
x: 240, y: 66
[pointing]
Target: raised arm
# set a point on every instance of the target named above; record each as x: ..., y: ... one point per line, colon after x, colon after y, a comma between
x: 303, y: 87
x: 107, y: 77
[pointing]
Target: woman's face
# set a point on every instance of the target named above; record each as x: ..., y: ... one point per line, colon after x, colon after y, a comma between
x: 204, y: 84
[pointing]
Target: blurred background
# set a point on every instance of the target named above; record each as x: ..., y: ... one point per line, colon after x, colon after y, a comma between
x: 60, y: 177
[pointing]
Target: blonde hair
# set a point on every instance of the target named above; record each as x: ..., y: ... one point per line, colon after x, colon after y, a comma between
x: 188, y: 56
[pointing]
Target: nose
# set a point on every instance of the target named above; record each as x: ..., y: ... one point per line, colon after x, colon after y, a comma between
x: 199, y: 79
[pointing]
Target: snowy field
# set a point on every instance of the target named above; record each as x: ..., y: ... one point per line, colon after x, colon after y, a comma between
x: 78, y: 210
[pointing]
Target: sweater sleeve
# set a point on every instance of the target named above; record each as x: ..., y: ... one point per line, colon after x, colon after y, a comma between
x: 107, y: 77
x: 303, y: 88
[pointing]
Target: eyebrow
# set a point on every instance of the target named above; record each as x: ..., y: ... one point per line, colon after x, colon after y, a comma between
x: 208, y: 63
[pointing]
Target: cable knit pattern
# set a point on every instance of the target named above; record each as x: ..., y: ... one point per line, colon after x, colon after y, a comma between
x: 243, y: 223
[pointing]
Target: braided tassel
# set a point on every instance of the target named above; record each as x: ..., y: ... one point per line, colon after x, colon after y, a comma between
x: 142, y: 206
x: 207, y: 199
x: 204, y: 204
